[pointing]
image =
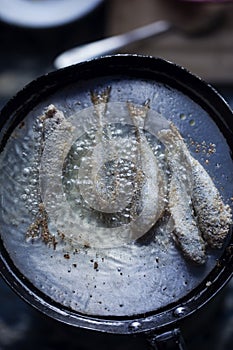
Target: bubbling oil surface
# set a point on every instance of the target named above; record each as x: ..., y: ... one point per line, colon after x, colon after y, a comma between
x: 73, y: 218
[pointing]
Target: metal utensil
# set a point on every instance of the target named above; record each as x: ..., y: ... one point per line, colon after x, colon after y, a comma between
x: 111, y: 44
x: 188, y: 21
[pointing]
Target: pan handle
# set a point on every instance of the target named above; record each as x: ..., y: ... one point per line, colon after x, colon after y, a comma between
x: 170, y: 340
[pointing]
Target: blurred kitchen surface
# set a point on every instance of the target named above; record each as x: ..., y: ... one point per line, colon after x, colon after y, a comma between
x: 28, y: 50
x: 203, y: 41
x: 204, y: 45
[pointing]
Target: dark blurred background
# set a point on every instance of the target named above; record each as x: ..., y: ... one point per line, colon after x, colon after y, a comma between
x: 202, y: 43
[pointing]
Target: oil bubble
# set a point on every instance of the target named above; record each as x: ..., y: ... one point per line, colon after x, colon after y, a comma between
x: 26, y: 171
x: 192, y: 122
x: 182, y: 116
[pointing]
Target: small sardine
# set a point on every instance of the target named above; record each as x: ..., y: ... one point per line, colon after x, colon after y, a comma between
x: 152, y: 197
x: 194, y: 199
x: 214, y: 217
x: 186, y: 233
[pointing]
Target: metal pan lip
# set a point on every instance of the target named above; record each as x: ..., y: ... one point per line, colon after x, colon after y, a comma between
x: 173, y: 314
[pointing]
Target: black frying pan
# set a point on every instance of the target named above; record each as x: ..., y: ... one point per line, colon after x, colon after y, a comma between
x: 124, y: 290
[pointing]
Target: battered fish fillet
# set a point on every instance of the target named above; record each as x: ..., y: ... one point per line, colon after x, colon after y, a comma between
x: 153, y: 197
x: 214, y: 217
x: 186, y: 233
x: 196, y: 202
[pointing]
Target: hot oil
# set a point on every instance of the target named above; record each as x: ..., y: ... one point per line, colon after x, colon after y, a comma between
x: 79, y: 265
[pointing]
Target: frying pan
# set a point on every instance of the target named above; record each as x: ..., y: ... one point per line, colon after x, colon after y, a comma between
x: 143, y: 287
